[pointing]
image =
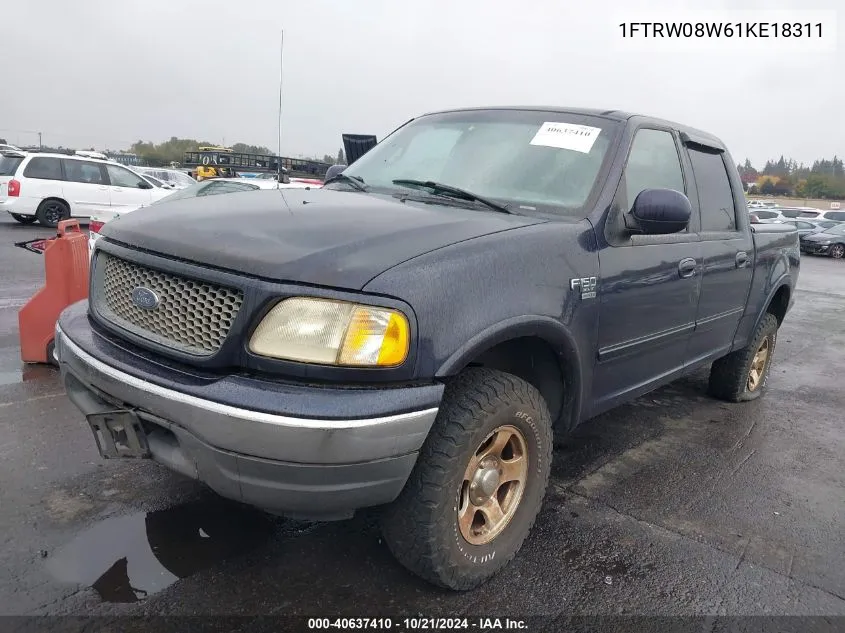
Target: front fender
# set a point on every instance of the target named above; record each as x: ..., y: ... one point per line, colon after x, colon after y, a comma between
x: 546, y: 328
x: 555, y: 334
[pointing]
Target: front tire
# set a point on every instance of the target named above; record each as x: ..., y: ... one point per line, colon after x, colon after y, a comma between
x: 478, y: 484
x: 837, y: 251
x: 742, y: 375
x: 51, y: 212
x: 24, y: 219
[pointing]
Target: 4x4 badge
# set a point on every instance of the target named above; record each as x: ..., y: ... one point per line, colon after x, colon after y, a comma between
x: 587, y: 285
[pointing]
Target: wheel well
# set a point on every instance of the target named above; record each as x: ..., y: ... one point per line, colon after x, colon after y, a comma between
x: 779, y: 304
x: 538, y: 363
x: 53, y: 199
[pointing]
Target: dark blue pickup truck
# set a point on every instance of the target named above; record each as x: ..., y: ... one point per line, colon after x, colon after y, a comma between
x: 416, y: 334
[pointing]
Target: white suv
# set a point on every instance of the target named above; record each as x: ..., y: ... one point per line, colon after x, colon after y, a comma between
x: 53, y: 187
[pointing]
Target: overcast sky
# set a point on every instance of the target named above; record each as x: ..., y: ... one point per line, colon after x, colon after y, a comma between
x: 110, y: 72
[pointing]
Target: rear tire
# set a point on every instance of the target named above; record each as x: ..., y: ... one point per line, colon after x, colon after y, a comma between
x: 741, y: 376
x: 478, y: 484
x: 51, y: 212
x: 24, y: 219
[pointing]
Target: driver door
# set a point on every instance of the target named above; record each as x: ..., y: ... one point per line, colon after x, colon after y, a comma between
x: 650, y: 284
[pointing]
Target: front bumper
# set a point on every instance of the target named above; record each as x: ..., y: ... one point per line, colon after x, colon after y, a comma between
x: 322, y: 453
x: 813, y: 248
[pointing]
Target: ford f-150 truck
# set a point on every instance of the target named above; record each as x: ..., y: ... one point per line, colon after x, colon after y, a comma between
x: 417, y: 334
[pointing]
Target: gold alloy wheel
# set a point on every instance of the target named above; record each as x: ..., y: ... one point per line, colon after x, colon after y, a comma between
x: 493, y: 483
x: 758, y: 365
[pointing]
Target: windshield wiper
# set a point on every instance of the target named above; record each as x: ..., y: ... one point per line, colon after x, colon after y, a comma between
x: 452, y: 192
x: 355, y: 181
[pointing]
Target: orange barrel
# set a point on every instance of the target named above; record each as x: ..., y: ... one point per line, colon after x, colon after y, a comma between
x: 66, y: 266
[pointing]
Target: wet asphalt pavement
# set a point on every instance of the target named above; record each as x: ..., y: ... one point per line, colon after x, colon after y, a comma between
x: 675, y: 504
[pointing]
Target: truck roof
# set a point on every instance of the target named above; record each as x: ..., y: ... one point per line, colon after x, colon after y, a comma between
x: 693, y: 134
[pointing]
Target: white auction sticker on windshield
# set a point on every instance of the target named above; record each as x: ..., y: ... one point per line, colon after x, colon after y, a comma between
x: 579, y: 138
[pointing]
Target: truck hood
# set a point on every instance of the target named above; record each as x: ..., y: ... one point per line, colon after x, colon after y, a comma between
x: 316, y: 236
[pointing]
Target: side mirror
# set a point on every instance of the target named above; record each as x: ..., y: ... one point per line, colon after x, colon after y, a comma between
x: 661, y: 211
x: 333, y: 171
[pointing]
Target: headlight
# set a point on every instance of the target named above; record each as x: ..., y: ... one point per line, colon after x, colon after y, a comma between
x: 332, y: 333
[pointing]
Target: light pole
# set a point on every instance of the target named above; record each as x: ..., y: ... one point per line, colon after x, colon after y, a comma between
x: 281, y: 66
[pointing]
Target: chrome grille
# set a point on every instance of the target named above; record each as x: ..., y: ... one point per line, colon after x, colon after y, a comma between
x: 191, y: 316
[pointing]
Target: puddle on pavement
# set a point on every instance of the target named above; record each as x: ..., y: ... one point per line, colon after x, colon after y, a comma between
x: 127, y: 558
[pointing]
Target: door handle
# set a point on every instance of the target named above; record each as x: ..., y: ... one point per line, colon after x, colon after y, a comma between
x: 687, y: 267
x: 741, y: 259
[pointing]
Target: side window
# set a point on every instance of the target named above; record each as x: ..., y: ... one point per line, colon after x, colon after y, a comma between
x: 121, y: 177
x: 84, y: 172
x: 766, y: 215
x: 44, y: 167
x: 715, y: 197
x: 653, y: 163
x: 790, y: 213
x: 838, y: 216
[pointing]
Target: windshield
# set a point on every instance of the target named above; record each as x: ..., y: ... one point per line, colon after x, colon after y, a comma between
x: 839, y: 229
x: 8, y: 164
x: 531, y: 160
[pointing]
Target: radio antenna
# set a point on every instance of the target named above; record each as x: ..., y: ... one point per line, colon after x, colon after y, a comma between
x: 281, y: 67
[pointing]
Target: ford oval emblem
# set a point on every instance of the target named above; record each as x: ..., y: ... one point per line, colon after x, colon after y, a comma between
x: 145, y: 298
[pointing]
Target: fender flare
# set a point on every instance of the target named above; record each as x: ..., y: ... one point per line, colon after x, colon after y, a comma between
x: 783, y: 281
x: 558, y: 337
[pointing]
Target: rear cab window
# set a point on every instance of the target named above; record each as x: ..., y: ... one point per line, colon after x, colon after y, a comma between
x: 715, y: 195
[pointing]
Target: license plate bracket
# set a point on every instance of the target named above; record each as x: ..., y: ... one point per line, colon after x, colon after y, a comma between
x: 119, y: 434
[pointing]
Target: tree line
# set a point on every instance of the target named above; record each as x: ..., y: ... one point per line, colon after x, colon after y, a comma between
x: 784, y: 177
x: 173, y: 151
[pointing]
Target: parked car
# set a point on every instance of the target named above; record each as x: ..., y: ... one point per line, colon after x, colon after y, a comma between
x: 155, y: 182
x: 833, y: 216
x: 804, y: 228
x: 53, y: 187
x: 768, y: 215
x: 826, y: 224
x: 830, y: 242
x: 5, y: 147
x: 419, y: 331
x: 173, y: 177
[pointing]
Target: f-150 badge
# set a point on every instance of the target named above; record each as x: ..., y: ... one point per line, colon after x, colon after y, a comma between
x: 587, y: 285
